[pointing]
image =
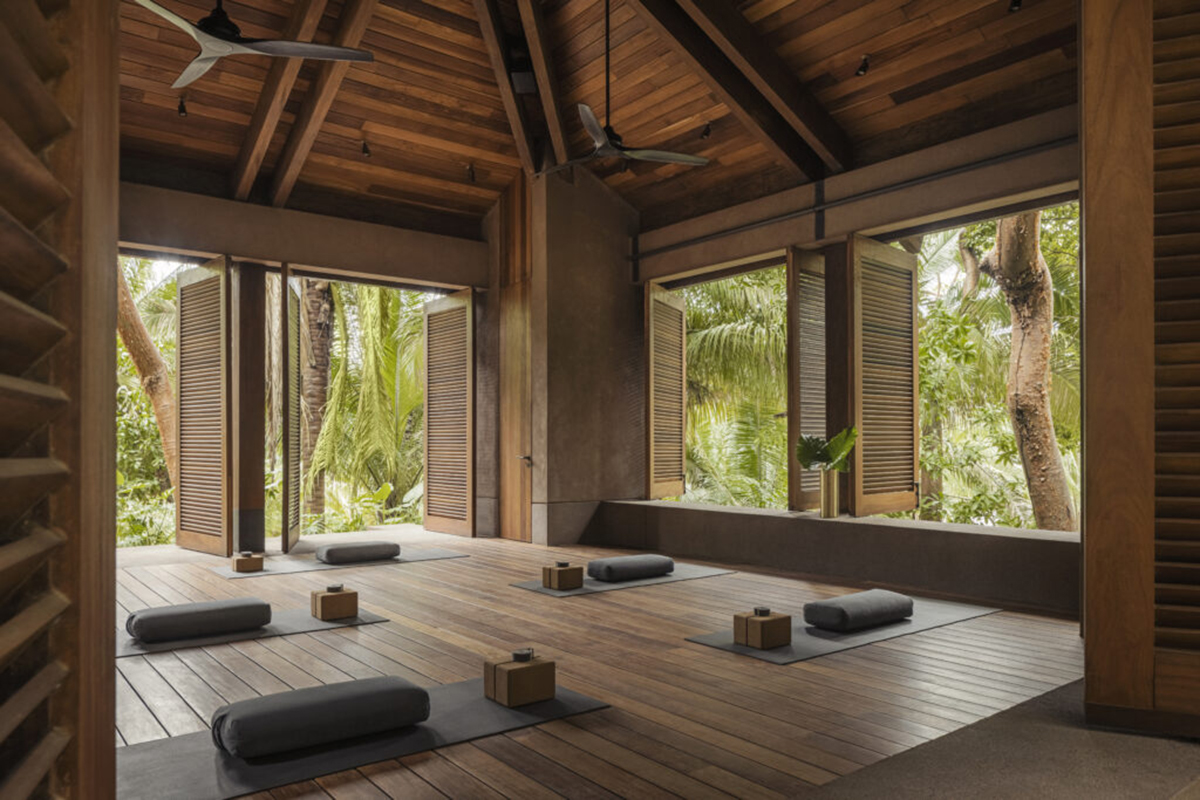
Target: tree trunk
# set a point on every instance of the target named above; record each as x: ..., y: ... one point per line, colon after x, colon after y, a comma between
x: 151, y: 369
x: 1017, y: 267
x: 317, y: 299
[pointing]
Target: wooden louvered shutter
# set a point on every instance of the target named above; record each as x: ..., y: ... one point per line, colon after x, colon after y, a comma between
x: 806, y: 369
x: 449, y: 415
x: 202, y: 510
x: 58, y: 301
x: 292, y: 417
x: 883, y: 348
x: 666, y: 384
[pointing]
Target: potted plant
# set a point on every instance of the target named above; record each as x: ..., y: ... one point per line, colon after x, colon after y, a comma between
x: 829, y: 456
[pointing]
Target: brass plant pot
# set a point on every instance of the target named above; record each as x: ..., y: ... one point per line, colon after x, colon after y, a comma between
x: 829, y: 493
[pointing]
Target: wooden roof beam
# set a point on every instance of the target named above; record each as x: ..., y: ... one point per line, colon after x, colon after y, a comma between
x: 492, y: 29
x: 773, y: 78
x: 730, y: 86
x: 534, y: 23
x: 276, y: 89
x: 356, y: 15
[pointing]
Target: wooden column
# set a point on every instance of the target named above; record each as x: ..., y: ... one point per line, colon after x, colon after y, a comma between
x: 247, y: 417
x: 1118, y: 355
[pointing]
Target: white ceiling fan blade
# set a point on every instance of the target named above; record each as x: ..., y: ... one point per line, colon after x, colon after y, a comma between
x: 323, y: 52
x: 200, y: 65
x: 593, y: 127
x: 662, y: 156
x: 171, y: 17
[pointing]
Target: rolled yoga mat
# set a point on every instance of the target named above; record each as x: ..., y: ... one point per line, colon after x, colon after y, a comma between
x: 283, y: 623
x: 285, y: 565
x: 191, y: 766
x: 683, y: 572
x: 810, y: 642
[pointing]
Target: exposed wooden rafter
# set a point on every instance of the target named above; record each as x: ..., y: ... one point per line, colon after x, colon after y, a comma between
x: 675, y: 28
x: 356, y: 14
x: 492, y: 28
x: 534, y: 23
x: 280, y: 80
x: 772, y: 77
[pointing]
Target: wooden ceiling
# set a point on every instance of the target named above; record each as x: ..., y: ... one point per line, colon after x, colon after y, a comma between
x: 440, y: 134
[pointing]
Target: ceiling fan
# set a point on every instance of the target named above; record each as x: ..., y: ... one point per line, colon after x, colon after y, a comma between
x: 218, y: 36
x: 607, y: 141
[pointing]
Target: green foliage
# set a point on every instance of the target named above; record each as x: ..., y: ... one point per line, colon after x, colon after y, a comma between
x: 822, y: 453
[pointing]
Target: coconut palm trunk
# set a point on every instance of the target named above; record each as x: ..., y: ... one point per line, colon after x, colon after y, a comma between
x: 1016, y: 264
x: 152, y: 370
x: 317, y: 300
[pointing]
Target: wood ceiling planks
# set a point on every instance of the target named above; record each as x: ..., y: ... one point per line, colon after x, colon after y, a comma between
x: 440, y: 138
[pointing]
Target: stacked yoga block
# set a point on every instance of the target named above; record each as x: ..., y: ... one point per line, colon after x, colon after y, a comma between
x: 562, y: 576
x: 519, y: 679
x: 762, y: 629
x: 334, y: 602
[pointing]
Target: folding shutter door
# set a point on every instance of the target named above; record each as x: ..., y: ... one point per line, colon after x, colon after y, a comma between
x: 292, y: 416
x: 886, y: 469
x: 449, y: 415
x: 202, y: 520
x: 666, y: 358
x: 806, y: 369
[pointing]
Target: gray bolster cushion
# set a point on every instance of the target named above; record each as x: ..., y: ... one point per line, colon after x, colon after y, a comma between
x: 853, y: 612
x: 190, y: 620
x: 320, y: 715
x: 630, y: 568
x: 357, y: 551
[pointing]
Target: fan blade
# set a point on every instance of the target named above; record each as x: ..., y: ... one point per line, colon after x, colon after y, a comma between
x: 664, y: 157
x: 323, y: 52
x: 171, y: 17
x: 566, y: 164
x: 592, y: 126
x: 200, y: 65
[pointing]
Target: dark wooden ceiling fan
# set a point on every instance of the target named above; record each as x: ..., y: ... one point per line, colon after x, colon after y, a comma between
x: 219, y: 36
x: 607, y: 142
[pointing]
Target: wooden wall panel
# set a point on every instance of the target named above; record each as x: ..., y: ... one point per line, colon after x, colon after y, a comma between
x: 806, y: 368
x: 516, y: 364
x: 449, y: 415
x: 666, y: 385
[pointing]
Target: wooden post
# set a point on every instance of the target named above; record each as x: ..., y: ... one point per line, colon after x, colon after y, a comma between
x: 247, y: 417
x: 1116, y: 132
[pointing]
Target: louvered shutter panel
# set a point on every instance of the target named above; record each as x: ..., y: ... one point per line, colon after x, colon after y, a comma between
x: 292, y: 416
x: 885, y: 470
x: 449, y: 415
x: 202, y: 515
x: 806, y: 369
x: 666, y: 358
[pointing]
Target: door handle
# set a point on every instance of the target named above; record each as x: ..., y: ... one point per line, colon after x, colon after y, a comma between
x: 527, y: 459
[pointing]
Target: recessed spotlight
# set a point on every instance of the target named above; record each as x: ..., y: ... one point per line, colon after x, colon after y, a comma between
x: 366, y: 149
x: 1014, y: 6
x: 182, y: 107
x: 863, y: 67
x: 707, y: 132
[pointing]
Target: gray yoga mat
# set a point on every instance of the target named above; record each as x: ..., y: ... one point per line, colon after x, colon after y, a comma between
x: 809, y: 642
x: 283, y: 623
x: 284, y: 565
x: 190, y: 766
x: 683, y: 572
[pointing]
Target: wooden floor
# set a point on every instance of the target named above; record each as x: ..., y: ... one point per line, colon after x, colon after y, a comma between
x: 686, y: 720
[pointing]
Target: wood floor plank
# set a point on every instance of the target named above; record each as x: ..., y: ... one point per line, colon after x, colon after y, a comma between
x: 684, y: 720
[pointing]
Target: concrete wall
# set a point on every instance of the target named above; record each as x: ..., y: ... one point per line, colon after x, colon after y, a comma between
x: 487, y: 390
x: 1030, y: 570
x: 586, y: 330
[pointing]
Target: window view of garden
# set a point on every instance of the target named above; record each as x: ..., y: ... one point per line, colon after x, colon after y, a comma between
x: 994, y: 425
x: 362, y: 403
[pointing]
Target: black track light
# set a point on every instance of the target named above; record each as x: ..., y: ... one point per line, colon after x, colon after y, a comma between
x: 1014, y: 6
x: 471, y: 172
x: 182, y: 107
x: 863, y: 67
x: 707, y: 132
x: 366, y: 149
